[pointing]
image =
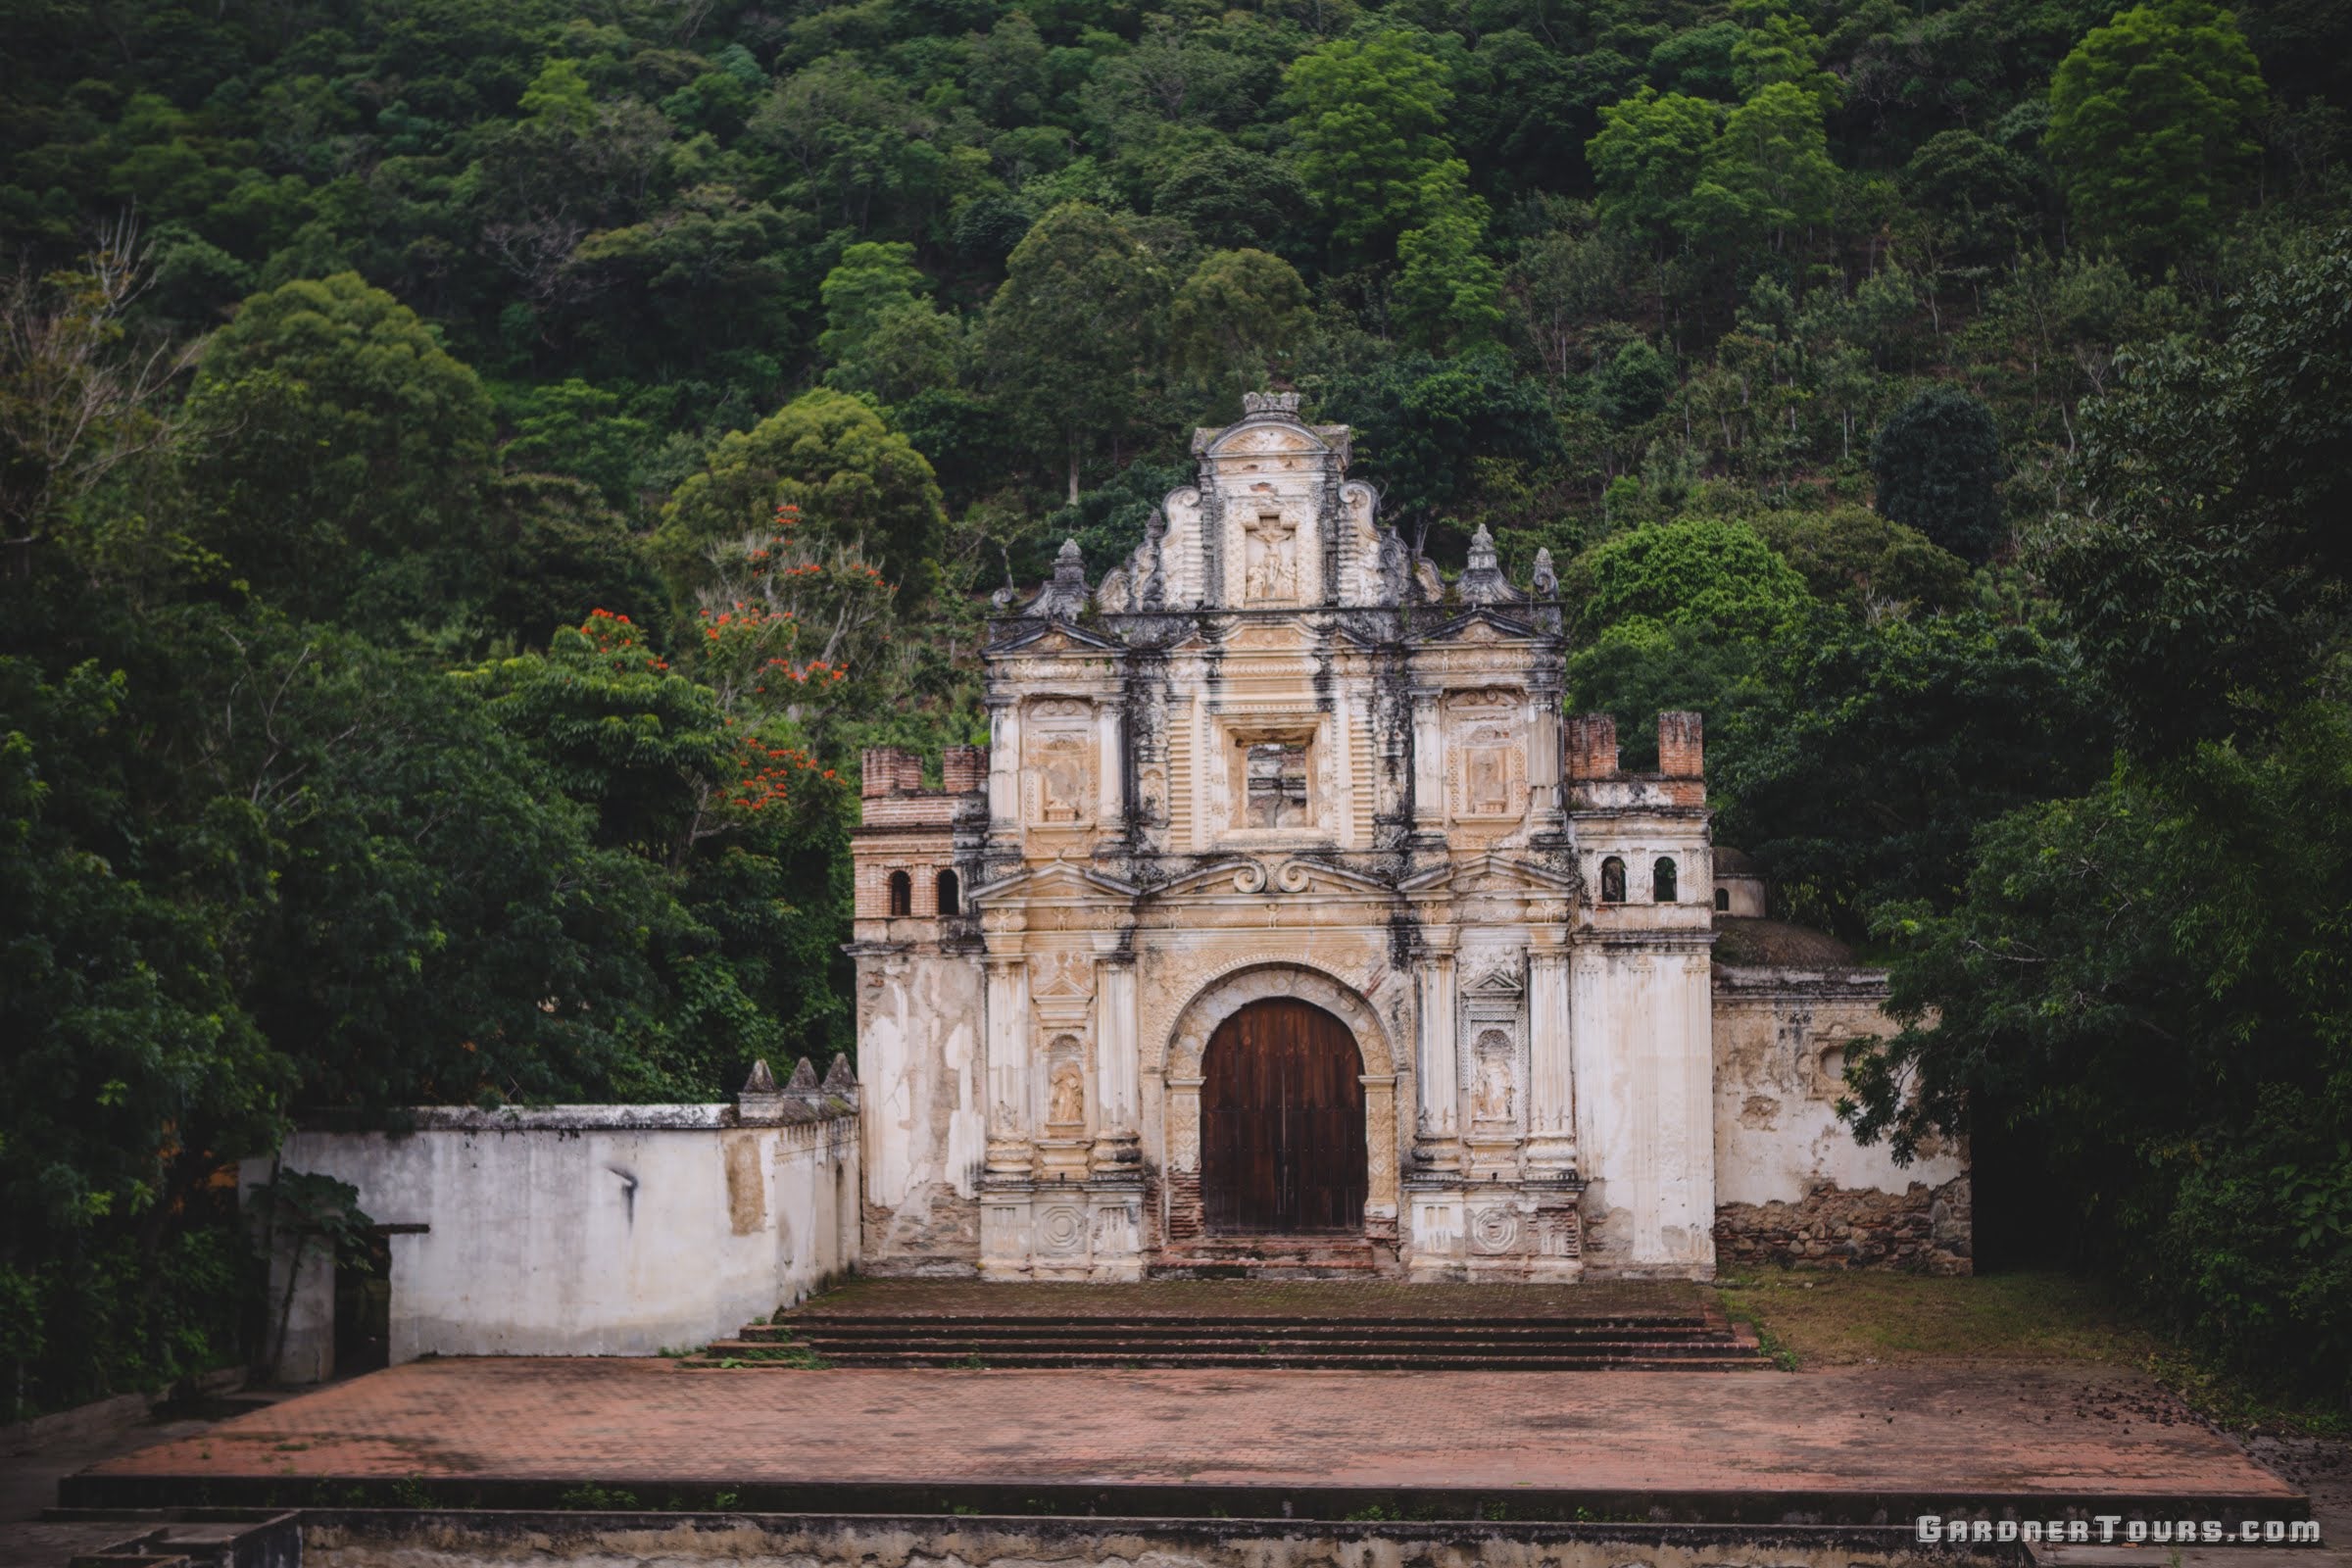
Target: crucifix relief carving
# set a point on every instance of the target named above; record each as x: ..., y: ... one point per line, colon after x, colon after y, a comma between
x: 1272, y: 574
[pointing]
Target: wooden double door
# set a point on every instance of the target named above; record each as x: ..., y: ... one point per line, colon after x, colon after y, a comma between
x: 1282, y: 1123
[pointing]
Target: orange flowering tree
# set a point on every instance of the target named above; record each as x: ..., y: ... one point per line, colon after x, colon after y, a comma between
x: 742, y: 828
x: 790, y: 619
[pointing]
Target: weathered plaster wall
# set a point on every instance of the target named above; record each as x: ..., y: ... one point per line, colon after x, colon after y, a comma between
x: 919, y: 1021
x: 1644, y: 1059
x: 1791, y: 1185
x: 589, y: 1229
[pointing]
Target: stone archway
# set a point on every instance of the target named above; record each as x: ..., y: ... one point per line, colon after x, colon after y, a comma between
x: 1186, y: 1047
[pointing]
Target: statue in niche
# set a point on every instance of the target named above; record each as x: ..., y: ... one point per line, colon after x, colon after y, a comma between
x: 1062, y: 782
x: 1066, y: 1093
x: 1272, y: 573
x: 1491, y: 1093
x: 1487, y: 771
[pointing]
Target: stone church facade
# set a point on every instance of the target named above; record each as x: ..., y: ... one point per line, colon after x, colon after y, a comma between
x: 1287, y: 925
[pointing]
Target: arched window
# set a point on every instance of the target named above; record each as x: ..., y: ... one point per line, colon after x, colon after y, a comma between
x: 1723, y: 901
x: 1661, y: 880
x: 950, y: 898
x: 901, y: 893
x: 1612, y: 880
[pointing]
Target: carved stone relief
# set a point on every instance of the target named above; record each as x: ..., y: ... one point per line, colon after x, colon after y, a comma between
x: 1486, y: 762
x: 1272, y: 560
x: 1059, y: 765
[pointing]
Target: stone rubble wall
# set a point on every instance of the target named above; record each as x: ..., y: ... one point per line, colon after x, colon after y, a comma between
x: 1922, y: 1230
x: 1791, y: 1185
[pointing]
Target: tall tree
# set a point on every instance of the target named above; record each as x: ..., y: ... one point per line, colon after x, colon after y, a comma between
x: 2210, y: 572
x: 1237, y: 318
x: 1368, y: 118
x: 864, y: 494
x: 1647, y: 157
x: 1937, y: 464
x: 2151, y: 121
x: 345, y: 451
x: 1069, y: 333
x: 1448, y: 291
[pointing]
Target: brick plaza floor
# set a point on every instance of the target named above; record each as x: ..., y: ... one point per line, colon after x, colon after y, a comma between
x: 2025, y: 1434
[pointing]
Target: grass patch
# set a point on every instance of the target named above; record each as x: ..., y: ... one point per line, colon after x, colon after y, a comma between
x: 1861, y: 1318
x: 1809, y: 1320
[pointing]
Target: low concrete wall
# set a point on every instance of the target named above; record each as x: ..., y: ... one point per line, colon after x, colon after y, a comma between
x: 584, y: 1230
x: 752, y: 1540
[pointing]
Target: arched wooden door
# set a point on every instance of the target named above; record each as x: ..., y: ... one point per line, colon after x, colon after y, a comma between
x: 1282, y: 1123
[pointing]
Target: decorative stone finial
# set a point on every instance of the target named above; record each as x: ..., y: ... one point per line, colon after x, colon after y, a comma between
x: 760, y: 1102
x: 804, y: 1079
x: 1152, y: 592
x: 1482, y: 549
x: 1069, y: 554
x: 839, y: 1076
x: 1483, y: 581
x: 1547, y: 580
x: 1284, y: 402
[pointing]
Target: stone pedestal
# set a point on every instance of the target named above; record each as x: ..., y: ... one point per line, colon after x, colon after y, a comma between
x: 1495, y: 1230
x: 1077, y: 1228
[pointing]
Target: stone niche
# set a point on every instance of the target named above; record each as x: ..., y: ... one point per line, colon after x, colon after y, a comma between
x: 1486, y: 764
x: 1059, y: 771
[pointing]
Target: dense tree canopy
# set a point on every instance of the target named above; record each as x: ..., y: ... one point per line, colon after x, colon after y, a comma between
x: 472, y: 477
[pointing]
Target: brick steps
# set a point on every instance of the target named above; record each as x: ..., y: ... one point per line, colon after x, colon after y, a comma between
x: 964, y: 1331
x: 1683, y: 1337
x: 751, y: 1357
x: 1287, y: 1257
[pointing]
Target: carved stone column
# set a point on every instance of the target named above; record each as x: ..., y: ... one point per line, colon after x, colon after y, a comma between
x: 1117, y: 1067
x: 1552, y: 1065
x: 1437, y: 1059
x: 1110, y: 771
x: 1429, y: 761
x: 1008, y: 1128
x: 1380, y: 1132
x: 1544, y: 757
x: 1004, y: 763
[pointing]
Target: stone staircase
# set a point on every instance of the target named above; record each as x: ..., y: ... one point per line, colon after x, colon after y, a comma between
x: 1194, y: 1325
x: 1268, y: 1257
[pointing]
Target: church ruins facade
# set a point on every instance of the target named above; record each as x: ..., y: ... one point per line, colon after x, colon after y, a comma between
x: 1287, y: 924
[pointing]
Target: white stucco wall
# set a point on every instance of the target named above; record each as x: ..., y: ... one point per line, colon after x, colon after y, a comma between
x: 613, y: 1230
x: 1644, y: 1071
x: 1779, y: 1037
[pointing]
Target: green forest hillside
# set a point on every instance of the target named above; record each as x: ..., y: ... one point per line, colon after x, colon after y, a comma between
x: 472, y: 475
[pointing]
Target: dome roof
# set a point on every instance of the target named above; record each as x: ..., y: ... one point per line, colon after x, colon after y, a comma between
x: 1735, y: 862
x: 1745, y: 942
